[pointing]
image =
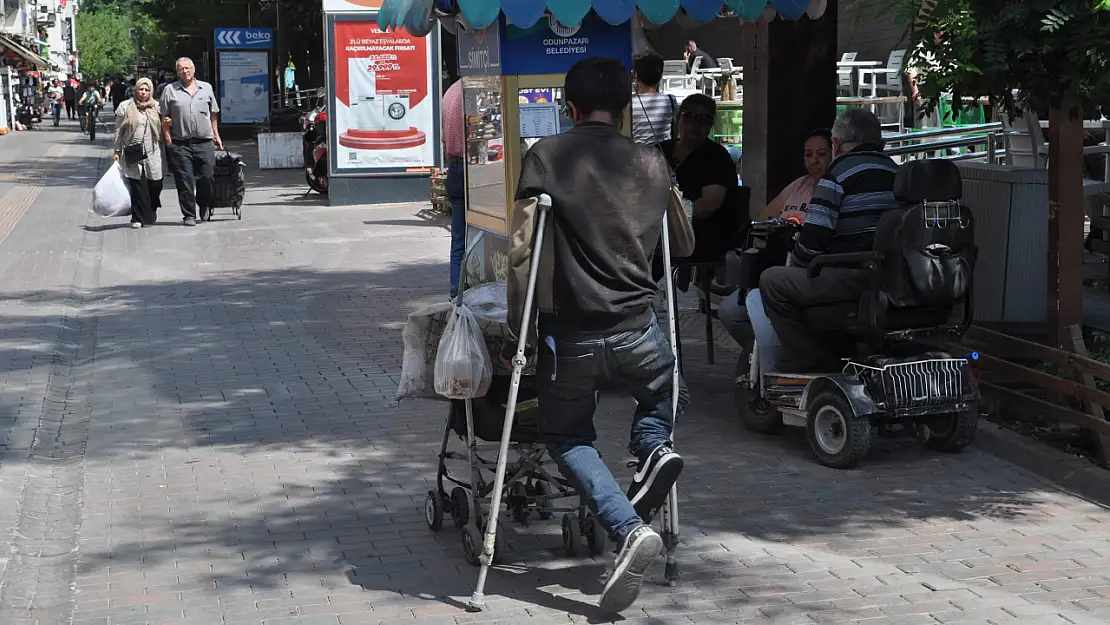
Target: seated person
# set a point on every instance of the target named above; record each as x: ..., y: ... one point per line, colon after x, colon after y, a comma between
x: 842, y: 217
x: 792, y: 202
x: 791, y: 205
x: 692, y: 52
x: 706, y: 175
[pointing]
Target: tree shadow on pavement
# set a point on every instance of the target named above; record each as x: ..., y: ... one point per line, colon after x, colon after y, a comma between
x: 267, y: 400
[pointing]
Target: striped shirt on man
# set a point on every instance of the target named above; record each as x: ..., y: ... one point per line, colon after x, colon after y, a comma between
x: 847, y: 204
x: 652, y: 115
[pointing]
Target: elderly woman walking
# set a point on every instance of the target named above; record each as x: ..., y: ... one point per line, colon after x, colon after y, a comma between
x: 138, y: 149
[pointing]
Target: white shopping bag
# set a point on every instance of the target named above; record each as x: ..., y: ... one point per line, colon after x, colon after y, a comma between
x: 111, y: 197
x: 463, y: 369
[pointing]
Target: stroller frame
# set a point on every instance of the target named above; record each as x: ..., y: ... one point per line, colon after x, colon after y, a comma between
x: 531, y: 465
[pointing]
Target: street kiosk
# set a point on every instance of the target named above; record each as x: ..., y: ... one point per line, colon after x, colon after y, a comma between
x: 513, y: 97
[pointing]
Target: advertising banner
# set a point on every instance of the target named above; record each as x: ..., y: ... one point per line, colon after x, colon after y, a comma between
x: 551, y: 48
x: 244, y: 86
x: 352, y: 6
x: 385, y: 106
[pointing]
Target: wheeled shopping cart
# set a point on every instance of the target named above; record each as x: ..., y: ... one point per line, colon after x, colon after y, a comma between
x: 523, y: 483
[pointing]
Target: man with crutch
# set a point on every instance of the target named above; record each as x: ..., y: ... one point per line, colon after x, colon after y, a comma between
x: 608, y: 199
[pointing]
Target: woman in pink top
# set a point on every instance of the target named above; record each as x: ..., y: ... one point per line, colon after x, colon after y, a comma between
x: 792, y: 203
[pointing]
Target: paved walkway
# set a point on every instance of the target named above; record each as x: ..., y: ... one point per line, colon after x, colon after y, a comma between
x: 197, y: 427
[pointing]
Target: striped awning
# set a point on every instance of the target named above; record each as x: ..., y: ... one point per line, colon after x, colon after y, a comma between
x: 416, y: 16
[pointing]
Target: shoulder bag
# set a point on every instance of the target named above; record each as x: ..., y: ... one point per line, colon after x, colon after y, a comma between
x: 136, y: 152
x: 678, y: 223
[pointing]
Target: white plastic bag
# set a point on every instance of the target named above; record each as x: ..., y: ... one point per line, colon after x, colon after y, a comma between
x: 463, y: 369
x: 111, y: 197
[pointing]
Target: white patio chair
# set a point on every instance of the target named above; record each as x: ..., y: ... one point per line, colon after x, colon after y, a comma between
x: 844, y: 75
x: 676, y: 78
x: 1025, y: 147
x: 886, y: 79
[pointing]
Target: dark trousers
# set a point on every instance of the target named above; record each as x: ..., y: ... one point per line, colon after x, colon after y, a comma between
x: 192, y: 163
x: 787, y: 292
x: 456, y: 194
x: 56, y: 111
x: 639, y: 362
x: 71, y: 109
x: 146, y: 199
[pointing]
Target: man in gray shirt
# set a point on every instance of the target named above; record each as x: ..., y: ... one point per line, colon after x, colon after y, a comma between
x: 191, y: 130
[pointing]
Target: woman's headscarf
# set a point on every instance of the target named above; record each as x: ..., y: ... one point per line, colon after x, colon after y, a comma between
x: 136, y: 111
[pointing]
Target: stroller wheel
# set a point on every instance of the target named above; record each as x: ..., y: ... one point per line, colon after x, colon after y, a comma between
x: 545, y: 509
x: 472, y: 545
x: 572, y: 533
x: 518, y: 503
x: 433, y: 510
x: 596, y: 538
x: 460, y: 506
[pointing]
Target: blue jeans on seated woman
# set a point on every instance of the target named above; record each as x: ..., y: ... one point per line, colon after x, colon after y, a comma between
x: 572, y: 369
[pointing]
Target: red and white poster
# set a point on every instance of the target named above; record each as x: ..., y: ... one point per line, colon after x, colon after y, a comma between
x: 385, y: 111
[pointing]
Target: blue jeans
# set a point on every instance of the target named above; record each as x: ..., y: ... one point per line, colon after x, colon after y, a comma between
x: 639, y: 362
x: 456, y: 194
x: 56, y: 111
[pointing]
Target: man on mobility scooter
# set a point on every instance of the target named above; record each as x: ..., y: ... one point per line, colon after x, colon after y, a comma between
x: 884, y: 260
x: 842, y: 217
x: 597, y: 327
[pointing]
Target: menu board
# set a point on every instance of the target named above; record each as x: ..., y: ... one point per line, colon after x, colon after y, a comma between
x: 539, y: 120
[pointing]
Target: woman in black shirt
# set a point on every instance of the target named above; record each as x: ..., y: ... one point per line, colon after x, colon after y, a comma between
x: 706, y: 176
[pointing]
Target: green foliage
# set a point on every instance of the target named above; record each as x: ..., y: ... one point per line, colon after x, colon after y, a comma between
x: 104, y: 39
x: 106, y: 47
x: 1046, y: 49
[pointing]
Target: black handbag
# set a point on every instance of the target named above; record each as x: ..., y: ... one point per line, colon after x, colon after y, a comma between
x: 136, y: 152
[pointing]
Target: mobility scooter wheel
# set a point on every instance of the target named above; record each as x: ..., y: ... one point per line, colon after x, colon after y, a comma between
x: 837, y: 437
x: 572, y: 533
x: 951, y: 432
x: 433, y: 510
x: 756, y: 413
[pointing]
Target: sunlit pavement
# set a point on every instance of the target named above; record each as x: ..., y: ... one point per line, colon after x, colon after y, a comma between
x: 198, y: 425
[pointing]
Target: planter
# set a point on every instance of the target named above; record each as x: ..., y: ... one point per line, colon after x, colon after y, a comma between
x: 1011, y: 229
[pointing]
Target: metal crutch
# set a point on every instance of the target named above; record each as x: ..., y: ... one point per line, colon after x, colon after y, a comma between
x: 669, y: 514
x: 478, y: 600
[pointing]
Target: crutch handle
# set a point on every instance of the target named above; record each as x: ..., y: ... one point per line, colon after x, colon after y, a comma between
x: 544, y: 200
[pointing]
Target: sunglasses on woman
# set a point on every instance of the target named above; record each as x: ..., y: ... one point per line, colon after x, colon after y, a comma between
x: 703, y: 119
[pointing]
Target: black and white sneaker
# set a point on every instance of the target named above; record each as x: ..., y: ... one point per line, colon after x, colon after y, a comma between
x: 641, y: 546
x: 655, y: 474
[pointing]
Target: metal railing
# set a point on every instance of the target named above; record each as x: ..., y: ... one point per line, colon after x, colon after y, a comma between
x: 986, y: 140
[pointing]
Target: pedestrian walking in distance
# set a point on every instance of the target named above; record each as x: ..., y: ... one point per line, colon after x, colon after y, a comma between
x: 138, y: 150
x: 70, y: 93
x: 190, y: 129
x: 56, y: 94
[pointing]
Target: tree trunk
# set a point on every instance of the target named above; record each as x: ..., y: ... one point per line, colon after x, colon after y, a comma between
x: 1065, y: 220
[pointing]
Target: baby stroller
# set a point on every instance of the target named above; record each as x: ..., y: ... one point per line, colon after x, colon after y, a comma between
x: 508, y: 414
